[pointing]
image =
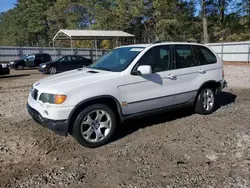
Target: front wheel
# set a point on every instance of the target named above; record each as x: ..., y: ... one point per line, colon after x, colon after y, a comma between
x: 52, y: 70
x: 20, y: 67
x: 95, y: 125
x: 205, y: 103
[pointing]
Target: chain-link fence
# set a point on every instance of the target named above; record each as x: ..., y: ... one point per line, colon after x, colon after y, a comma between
x: 233, y: 51
x: 8, y: 53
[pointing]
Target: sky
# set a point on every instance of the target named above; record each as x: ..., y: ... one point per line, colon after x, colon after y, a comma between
x: 6, y: 5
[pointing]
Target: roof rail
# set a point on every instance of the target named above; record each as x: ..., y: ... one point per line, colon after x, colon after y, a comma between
x: 159, y: 41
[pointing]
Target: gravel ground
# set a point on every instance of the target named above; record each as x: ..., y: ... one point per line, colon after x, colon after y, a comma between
x: 176, y: 149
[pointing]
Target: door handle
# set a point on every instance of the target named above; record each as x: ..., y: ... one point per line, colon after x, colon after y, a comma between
x: 171, y: 76
x: 202, y: 71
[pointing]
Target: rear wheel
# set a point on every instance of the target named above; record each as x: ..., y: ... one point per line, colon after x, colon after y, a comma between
x: 205, y: 103
x: 52, y: 70
x: 95, y: 125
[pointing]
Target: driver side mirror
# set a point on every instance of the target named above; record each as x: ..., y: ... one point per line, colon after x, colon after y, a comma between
x: 143, y: 70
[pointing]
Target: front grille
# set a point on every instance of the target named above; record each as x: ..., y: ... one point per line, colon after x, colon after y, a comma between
x: 34, y: 94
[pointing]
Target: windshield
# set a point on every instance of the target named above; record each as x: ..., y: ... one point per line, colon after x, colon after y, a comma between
x: 117, y: 60
x: 23, y: 57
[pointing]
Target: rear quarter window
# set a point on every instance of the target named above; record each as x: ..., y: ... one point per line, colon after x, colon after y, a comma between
x: 46, y: 57
x: 208, y: 56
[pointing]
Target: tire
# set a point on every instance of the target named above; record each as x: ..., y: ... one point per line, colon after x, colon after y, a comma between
x: 205, y: 102
x: 20, y: 67
x: 94, y: 133
x: 52, y: 70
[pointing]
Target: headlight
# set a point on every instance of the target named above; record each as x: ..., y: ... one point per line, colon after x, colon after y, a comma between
x: 52, y: 99
x: 12, y: 62
x: 43, y: 66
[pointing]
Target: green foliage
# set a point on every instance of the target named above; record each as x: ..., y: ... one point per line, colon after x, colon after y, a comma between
x: 35, y: 22
x: 106, y: 44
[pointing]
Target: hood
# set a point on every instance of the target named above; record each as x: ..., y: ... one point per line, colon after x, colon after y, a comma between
x: 47, y: 63
x: 67, y: 80
x: 17, y: 61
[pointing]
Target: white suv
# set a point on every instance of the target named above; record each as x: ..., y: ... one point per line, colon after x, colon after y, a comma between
x: 130, y: 81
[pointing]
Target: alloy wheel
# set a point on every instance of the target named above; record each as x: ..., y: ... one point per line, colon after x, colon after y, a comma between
x: 208, y: 99
x: 52, y: 70
x: 96, y: 126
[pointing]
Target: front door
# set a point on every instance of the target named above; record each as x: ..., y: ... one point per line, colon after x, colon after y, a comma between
x: 63, y: 64
x: 156, y: 90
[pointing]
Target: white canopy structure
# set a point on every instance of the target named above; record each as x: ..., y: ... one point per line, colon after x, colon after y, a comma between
x: 95, y: 35
x: 64, y: 34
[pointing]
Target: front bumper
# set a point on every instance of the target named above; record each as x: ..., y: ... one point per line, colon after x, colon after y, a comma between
x: 60, y: 127
x: 4, y: 71
x: 43, y: 70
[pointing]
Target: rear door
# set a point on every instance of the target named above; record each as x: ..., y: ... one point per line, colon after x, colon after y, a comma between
x: 209, y: 63
x: 76, y: 62
x: 30, y: 61
x: 189, y: 73
x: 86, y: 62
x: 46, y: 58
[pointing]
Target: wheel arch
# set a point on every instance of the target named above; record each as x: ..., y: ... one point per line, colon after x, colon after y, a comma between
x: 211, y: 83
x: 108, y: 100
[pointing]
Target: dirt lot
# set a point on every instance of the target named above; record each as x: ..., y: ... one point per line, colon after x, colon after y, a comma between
x: 177, y: 149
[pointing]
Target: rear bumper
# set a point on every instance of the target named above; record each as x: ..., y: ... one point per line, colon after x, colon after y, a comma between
x: 60, y: 127
x: 223, y: 84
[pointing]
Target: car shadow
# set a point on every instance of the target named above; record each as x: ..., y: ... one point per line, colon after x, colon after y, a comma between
x: 224, y: 99
x: 132, y: 125
x: 14, y: 76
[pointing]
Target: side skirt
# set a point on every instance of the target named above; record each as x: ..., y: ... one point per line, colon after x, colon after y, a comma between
x: 157, y: 111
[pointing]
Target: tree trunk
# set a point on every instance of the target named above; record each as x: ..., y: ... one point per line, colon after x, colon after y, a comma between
x: 222, y: 12
x: 249, y: 14
x: 204, y: 21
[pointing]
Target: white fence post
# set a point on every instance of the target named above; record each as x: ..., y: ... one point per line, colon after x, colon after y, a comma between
x: 248, y: 54
x: 222, y: 50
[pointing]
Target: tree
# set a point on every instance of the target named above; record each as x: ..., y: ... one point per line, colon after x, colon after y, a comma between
x: 204, y: 21
x: 35, y: 22
x: 173, y: 19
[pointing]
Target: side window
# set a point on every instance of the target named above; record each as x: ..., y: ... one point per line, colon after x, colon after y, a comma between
x: 31, y: 58
x: 64, y: 59
x: 210, y: 58
x: 46, y: 57
x: 197, y: 56
x: 76, y: 58
x: 39, y: 57
x: 158, y: 57
x: 184, y: 56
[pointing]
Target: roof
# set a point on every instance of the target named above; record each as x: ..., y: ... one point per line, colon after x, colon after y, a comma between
x: 90, y: 34
x: 137, y: 45
x: 160, y: 43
